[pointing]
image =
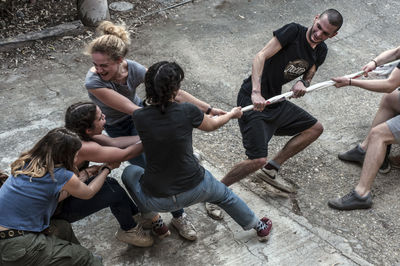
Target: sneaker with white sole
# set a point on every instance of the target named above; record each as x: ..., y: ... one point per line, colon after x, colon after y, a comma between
x: 263, y: 235
x: 273, y: 178
x: 135, y: 236
x: 214, y: 211
x: 184, y: 227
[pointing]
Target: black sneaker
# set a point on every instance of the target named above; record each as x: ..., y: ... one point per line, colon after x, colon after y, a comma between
x: 351, y: 201
x: 356, y: 155
x: 386, y: 167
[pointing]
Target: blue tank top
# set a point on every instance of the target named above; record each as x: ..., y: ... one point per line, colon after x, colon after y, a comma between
x: 27, y: 203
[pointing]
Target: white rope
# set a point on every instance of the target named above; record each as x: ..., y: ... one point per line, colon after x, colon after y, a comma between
x: 383, y: 70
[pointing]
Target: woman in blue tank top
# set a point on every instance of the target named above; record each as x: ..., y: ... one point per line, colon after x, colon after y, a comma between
x: 29, y: 197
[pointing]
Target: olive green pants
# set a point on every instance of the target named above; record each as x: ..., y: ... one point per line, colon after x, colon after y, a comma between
x: 41, y: 249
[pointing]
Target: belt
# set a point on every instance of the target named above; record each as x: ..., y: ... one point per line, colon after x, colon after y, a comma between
x: 11, y: 233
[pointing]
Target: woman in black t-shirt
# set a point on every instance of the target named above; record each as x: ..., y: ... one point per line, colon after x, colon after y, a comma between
x: 173, y: 179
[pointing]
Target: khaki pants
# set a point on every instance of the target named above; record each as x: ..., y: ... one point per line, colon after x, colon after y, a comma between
x: 41, y: 249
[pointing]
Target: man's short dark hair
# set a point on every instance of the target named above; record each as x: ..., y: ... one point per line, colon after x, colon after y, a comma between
x: 334, y: 17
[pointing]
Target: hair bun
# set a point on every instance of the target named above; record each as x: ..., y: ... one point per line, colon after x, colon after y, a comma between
x: 109, y: 28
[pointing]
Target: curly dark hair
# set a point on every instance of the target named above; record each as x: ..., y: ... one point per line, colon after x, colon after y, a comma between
x: 79, y: 117
x: 162, y: 82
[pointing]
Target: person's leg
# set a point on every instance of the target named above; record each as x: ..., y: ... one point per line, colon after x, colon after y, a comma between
x: 305, y: 129
x: 378, y: 138
x: 63, y: 230
x: 299, y: 143
x: 388, y: 107
x: 213, y: 191
x: 44, y: 250
x: 256, y: 133
x: 130, y: 177
x: 110, y: 195
x: 296, y: 122
x: 122, y: 207
x: 243, y: 169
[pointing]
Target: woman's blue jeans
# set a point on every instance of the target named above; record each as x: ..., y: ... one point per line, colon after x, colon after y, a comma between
x: 209, y: 190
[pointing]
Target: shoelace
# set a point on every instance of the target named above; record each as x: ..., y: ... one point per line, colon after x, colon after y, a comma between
x: 261, y: 226
x: 184, y: 222
x: 348, y: 196
x: 138, y: 231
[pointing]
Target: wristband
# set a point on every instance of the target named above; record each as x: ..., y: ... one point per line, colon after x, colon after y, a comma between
x: 305, y: 83
x: 349, y: 81
x: 208, y: 110
x: 376, y: 64
x: 106, y: 167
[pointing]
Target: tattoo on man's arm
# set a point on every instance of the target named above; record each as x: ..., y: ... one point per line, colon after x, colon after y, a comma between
x: 310, y: 74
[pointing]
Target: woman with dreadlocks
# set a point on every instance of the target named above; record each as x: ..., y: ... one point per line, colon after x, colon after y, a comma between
x: 173, y: 178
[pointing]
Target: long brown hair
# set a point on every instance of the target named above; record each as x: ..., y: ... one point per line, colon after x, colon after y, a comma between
x: 56, y: 149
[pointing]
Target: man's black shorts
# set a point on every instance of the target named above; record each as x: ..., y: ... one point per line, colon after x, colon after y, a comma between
x: 280, y: 119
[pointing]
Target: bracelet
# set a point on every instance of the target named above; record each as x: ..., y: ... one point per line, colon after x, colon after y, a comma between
x: 376, y: 64
x: 106, y: 167
x: 349, y: 81
x: 305, y: 83
x: 208, y: 110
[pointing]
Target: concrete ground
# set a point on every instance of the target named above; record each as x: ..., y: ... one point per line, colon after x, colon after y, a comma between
x: 215, y: 42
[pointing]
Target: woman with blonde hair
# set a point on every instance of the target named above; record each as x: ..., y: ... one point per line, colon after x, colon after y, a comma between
x: 112, y: 84
x: 29, y: 197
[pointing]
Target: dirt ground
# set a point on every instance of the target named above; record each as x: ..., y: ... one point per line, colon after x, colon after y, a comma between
x: 20, y: 17
x: 215, y: 42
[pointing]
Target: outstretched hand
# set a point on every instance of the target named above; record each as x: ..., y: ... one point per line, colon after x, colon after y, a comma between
x: 369, y: 67
x: 341, y: 81
x: 236, y: 112
x: 217, y: 111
